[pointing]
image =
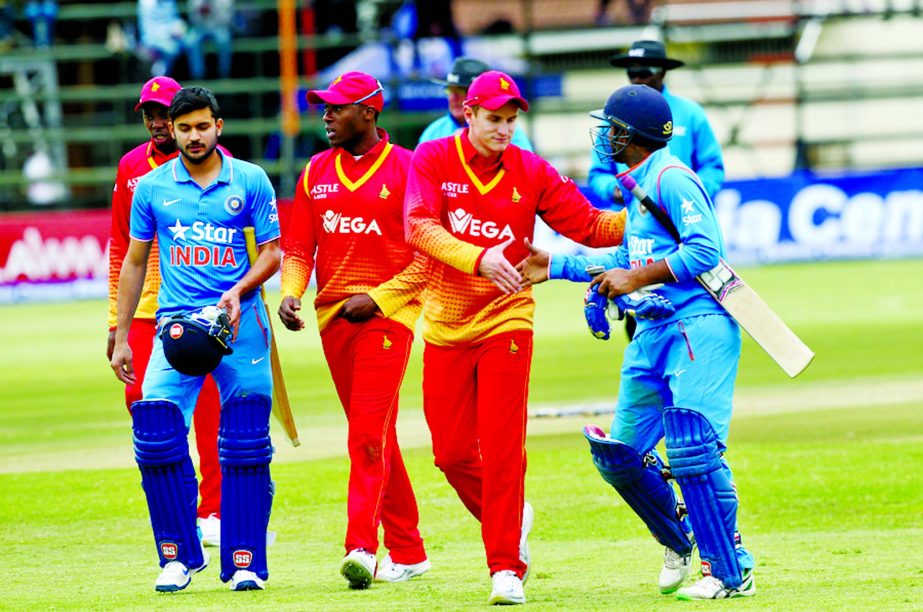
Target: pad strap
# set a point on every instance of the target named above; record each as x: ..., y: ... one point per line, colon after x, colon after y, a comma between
x: 244, y: 451
x: 168, y: 478
x: 641, y: 485
x: 705, y: 480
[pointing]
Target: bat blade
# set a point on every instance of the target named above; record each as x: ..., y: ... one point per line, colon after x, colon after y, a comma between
x: 281, y: 408
x: 769, y: 331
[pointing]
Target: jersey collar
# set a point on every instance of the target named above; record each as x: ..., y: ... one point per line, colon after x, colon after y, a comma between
x: 181, y: 174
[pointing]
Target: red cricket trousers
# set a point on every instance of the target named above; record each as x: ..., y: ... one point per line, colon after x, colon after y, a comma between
x: 367, y: 362
x: 206, y: 416
x: 475, y: 402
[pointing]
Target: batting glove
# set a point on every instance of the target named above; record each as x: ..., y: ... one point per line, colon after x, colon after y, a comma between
x: 594, y: 309
x: 641, y: 306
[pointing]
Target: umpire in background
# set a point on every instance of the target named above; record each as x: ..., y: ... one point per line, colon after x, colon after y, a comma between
x: 693, y: 141
x: 456, y: 83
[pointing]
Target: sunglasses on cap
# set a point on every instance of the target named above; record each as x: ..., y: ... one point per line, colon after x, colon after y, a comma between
x: 643, y: 72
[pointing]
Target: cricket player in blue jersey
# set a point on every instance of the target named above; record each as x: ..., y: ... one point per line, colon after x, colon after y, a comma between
x: 197, y: 206
x: 677, y: 378
x: 693, y: 140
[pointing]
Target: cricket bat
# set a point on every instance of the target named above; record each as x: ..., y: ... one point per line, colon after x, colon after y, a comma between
x: 281, y: 407
x: 740, y: 301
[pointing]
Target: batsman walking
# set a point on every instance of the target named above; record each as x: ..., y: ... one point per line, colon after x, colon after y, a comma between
x: 677, y: 378
x: 348, y: 223
x: 153, y: 102
x: 471, y: 203
x: 210, y: 319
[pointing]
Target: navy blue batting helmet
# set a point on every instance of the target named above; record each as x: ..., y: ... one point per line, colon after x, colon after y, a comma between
x: 632, y: 110
x: 195, y: 342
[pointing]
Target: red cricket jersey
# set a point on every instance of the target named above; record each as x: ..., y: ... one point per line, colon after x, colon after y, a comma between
x: 350, y: 213
x: 459, y: 203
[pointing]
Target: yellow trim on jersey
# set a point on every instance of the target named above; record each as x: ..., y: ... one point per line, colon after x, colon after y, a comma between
x: 150, y: 158
x: 481, y: 187
x: 378, y: 162
x: 307, y: 167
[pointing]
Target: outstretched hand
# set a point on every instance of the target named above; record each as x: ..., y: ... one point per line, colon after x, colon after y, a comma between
x: 497, y: 269
x: 534, y: 268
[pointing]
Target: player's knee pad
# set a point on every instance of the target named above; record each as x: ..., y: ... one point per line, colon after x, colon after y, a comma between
x: 695, y: 460
x: 641, y: 485
x: 245, y: 451
x: 168, y: 478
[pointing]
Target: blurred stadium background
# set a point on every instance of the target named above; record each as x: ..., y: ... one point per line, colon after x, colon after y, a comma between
x: 815, y: 102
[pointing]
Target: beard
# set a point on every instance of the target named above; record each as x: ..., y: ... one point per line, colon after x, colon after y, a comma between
x: 202, y: 155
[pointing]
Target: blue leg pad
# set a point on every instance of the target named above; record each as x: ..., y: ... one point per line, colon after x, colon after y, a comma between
x: 244, y: 451
x: 696, y: 463
x: 641, y: 486
x: 168, y: 478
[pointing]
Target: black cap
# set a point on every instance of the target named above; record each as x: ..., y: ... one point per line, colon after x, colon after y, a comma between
x: 645, y: 53
x: 463, y: 71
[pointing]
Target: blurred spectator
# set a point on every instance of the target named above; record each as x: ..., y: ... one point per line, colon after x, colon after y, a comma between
x: 163, y: 34
x: 434, y: 20
x: 42, y: 14
x: 210, y: 19
x: 38, y: 170
x: 7, y: 25
x: 639, y: 10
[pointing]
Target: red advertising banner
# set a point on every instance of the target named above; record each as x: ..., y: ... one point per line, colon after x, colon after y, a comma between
x: 60, y: 255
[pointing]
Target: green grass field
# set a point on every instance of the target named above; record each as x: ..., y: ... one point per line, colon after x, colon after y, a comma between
x: 827, y: 467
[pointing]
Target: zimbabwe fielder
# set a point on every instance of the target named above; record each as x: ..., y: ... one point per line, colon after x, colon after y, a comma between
x: 471, y: 204
x: 156, y: 96
x: 348, y: 218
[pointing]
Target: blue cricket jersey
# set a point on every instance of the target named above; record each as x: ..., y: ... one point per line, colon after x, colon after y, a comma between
x: 203, y: 251
x: 446, y: 126
x: 679, y: 193
x: 693, y: 142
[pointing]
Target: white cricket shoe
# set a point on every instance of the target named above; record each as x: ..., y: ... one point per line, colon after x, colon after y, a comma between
x: 675, y: 569
x: 211, y: 530
x: 245, y: 580
x: 528, y: 517
x: 175, y: 576
x: 358, y: 567
x: 389, y: 571
x: 709, y: 587
x: 507, y: 589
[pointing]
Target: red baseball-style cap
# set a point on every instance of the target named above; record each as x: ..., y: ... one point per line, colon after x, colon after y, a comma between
x: 160, y: 90
x: 351, y: 88
x: 493, y: 89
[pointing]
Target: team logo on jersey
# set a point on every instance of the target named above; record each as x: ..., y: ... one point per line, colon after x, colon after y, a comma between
x: 514, y: 348
x: 463, y: 222
x: 337, y: 223
x: 451, y: 190
x: 688, y: 217
x: 322, y: 190
x: 242, y: 558
x: 384, y: 193
x: 234, y: 204
x: 516, y: 197
x: 169, y: 550
x: 386, y: 343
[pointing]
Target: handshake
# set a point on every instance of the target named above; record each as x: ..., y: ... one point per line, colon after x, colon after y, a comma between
x: 598, y: 309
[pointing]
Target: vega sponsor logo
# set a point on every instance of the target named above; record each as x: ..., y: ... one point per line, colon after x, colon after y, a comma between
x: 322, y: 190
x: 463, y: 222
x: 337, y: 223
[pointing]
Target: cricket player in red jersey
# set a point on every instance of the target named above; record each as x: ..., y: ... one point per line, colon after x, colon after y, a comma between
x: 348, y: 221
x: 155, y: 98
x: 470, y: 205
